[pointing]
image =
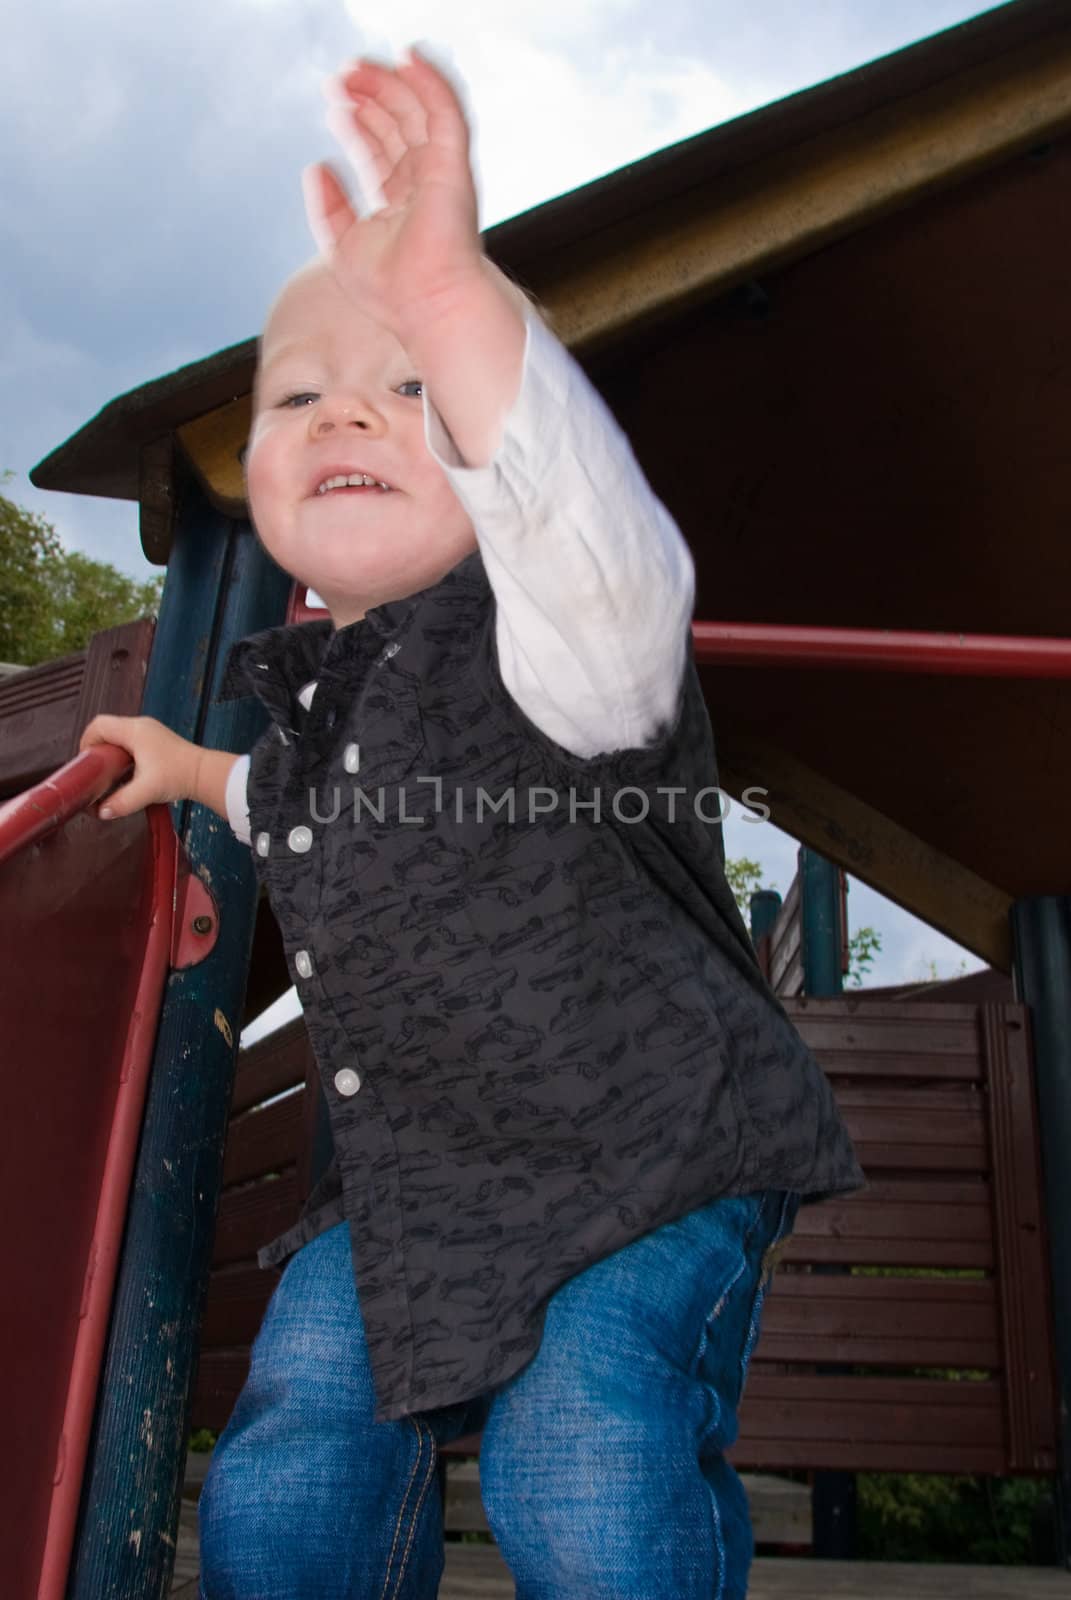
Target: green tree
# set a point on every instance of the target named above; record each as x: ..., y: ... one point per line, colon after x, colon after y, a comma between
x: 863, y: 945
x: 744, y: 877
x: 52, y: 600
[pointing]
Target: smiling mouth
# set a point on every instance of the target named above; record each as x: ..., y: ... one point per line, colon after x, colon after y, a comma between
x: 354, y: 483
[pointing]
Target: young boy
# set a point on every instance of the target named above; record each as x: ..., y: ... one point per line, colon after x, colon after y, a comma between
x: 571, y: 1121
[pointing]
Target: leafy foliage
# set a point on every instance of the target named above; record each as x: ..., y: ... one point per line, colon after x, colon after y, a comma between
x: 863, y: 945
x: 744, y: 878
x: 52, y: 600
x: 916, y: 1517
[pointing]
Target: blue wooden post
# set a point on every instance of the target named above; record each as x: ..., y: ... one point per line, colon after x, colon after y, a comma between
x: 220, y: 586
x: 833, y: 1495
x: 763, y: 907
x: 1041, y: 950
x: 821, y: 930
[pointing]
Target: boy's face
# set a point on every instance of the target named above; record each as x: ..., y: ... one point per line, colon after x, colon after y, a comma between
x: 335, y: 394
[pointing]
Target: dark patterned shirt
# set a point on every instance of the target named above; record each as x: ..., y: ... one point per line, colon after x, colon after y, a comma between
x: 538, y: 1017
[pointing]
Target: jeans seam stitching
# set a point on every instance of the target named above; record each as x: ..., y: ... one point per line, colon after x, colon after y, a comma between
x: 420, y: 1502
x: 401, y: 1509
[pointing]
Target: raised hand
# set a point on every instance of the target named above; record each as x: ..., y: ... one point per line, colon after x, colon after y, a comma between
x: 420, y: 251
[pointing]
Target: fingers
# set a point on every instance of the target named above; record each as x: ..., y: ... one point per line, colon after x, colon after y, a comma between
x: 446, y: 116
x: 381, y: 134
x: 389, y: 90
x: 106, y: 729
x: 361, y: 155
x: 327, y: 207
x: 121, y: 731
x: 417, y: 95
x: 129, y: 797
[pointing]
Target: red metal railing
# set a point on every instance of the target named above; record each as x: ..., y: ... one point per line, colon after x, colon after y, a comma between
x: 71, y: 788
x: 760, y: 644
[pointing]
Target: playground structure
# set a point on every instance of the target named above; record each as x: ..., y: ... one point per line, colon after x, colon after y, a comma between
x: 867, y: 282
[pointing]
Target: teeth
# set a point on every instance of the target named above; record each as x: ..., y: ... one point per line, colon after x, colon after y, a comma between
x: 354, y: 481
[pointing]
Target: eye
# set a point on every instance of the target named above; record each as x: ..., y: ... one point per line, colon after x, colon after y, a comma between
x: 411, y: 383
x: 291, y: 398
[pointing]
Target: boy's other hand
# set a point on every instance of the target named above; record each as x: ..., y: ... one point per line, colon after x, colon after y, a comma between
x: 421, y: 248
x: 165, y: 765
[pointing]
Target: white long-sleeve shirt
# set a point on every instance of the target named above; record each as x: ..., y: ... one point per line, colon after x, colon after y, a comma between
x: 593, y: 581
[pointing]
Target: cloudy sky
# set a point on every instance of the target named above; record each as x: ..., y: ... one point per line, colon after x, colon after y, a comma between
x: 152, y: 201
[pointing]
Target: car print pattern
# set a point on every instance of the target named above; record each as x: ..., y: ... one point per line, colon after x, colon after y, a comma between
x: 562, y: 1035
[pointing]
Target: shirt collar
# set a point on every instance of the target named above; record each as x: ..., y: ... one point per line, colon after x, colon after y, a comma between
x: 276, y: 663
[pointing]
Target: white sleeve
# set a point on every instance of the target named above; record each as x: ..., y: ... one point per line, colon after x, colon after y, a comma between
x: 235, y: 795
x: 593, y: 581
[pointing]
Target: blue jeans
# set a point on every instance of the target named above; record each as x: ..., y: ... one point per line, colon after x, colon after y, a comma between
x: 601, y: 1468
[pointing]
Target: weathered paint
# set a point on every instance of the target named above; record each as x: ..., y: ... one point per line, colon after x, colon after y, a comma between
x: 220, y: 586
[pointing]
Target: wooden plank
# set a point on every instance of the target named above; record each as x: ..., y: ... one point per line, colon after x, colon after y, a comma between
x: 902, y: 1580
x: 234, y: 1306
x: 478, y: 1572
x: 906, y: 1322
x: 113, y: 678
x: 934, y: 1130
x: 263, y: 1140
x: 274, y: 1064
x: 887, y: 1063
x: 891, y: 1424
x: 791, y: 978
x: 790, y: 203
x: 159, y: 489
x: 908, y: 1222
x: 212, y: 444
x: 786, y: 945
x: 873, y: 847
x: 1019, y: 1223
x: 252, y: 1215
x: 475, y: 1572
x: 37, y: 717
x: 780, y: 1507
x: 220, y: 1376
x: 939, y: 1040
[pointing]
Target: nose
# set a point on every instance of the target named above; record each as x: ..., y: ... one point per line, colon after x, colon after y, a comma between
x: 341, y: 411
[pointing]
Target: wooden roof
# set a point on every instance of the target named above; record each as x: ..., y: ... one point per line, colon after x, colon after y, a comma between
x: 836, y: 330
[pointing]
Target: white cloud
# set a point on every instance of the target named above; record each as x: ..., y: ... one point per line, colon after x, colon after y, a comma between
x: 563, y: 22
x: 559, y: 95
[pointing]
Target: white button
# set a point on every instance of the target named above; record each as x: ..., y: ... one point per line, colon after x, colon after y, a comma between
x: 351, y: 758
x: 300, y: 839
x: 263, y: 843
x: 303, y: 964
x: 347, y: 1081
